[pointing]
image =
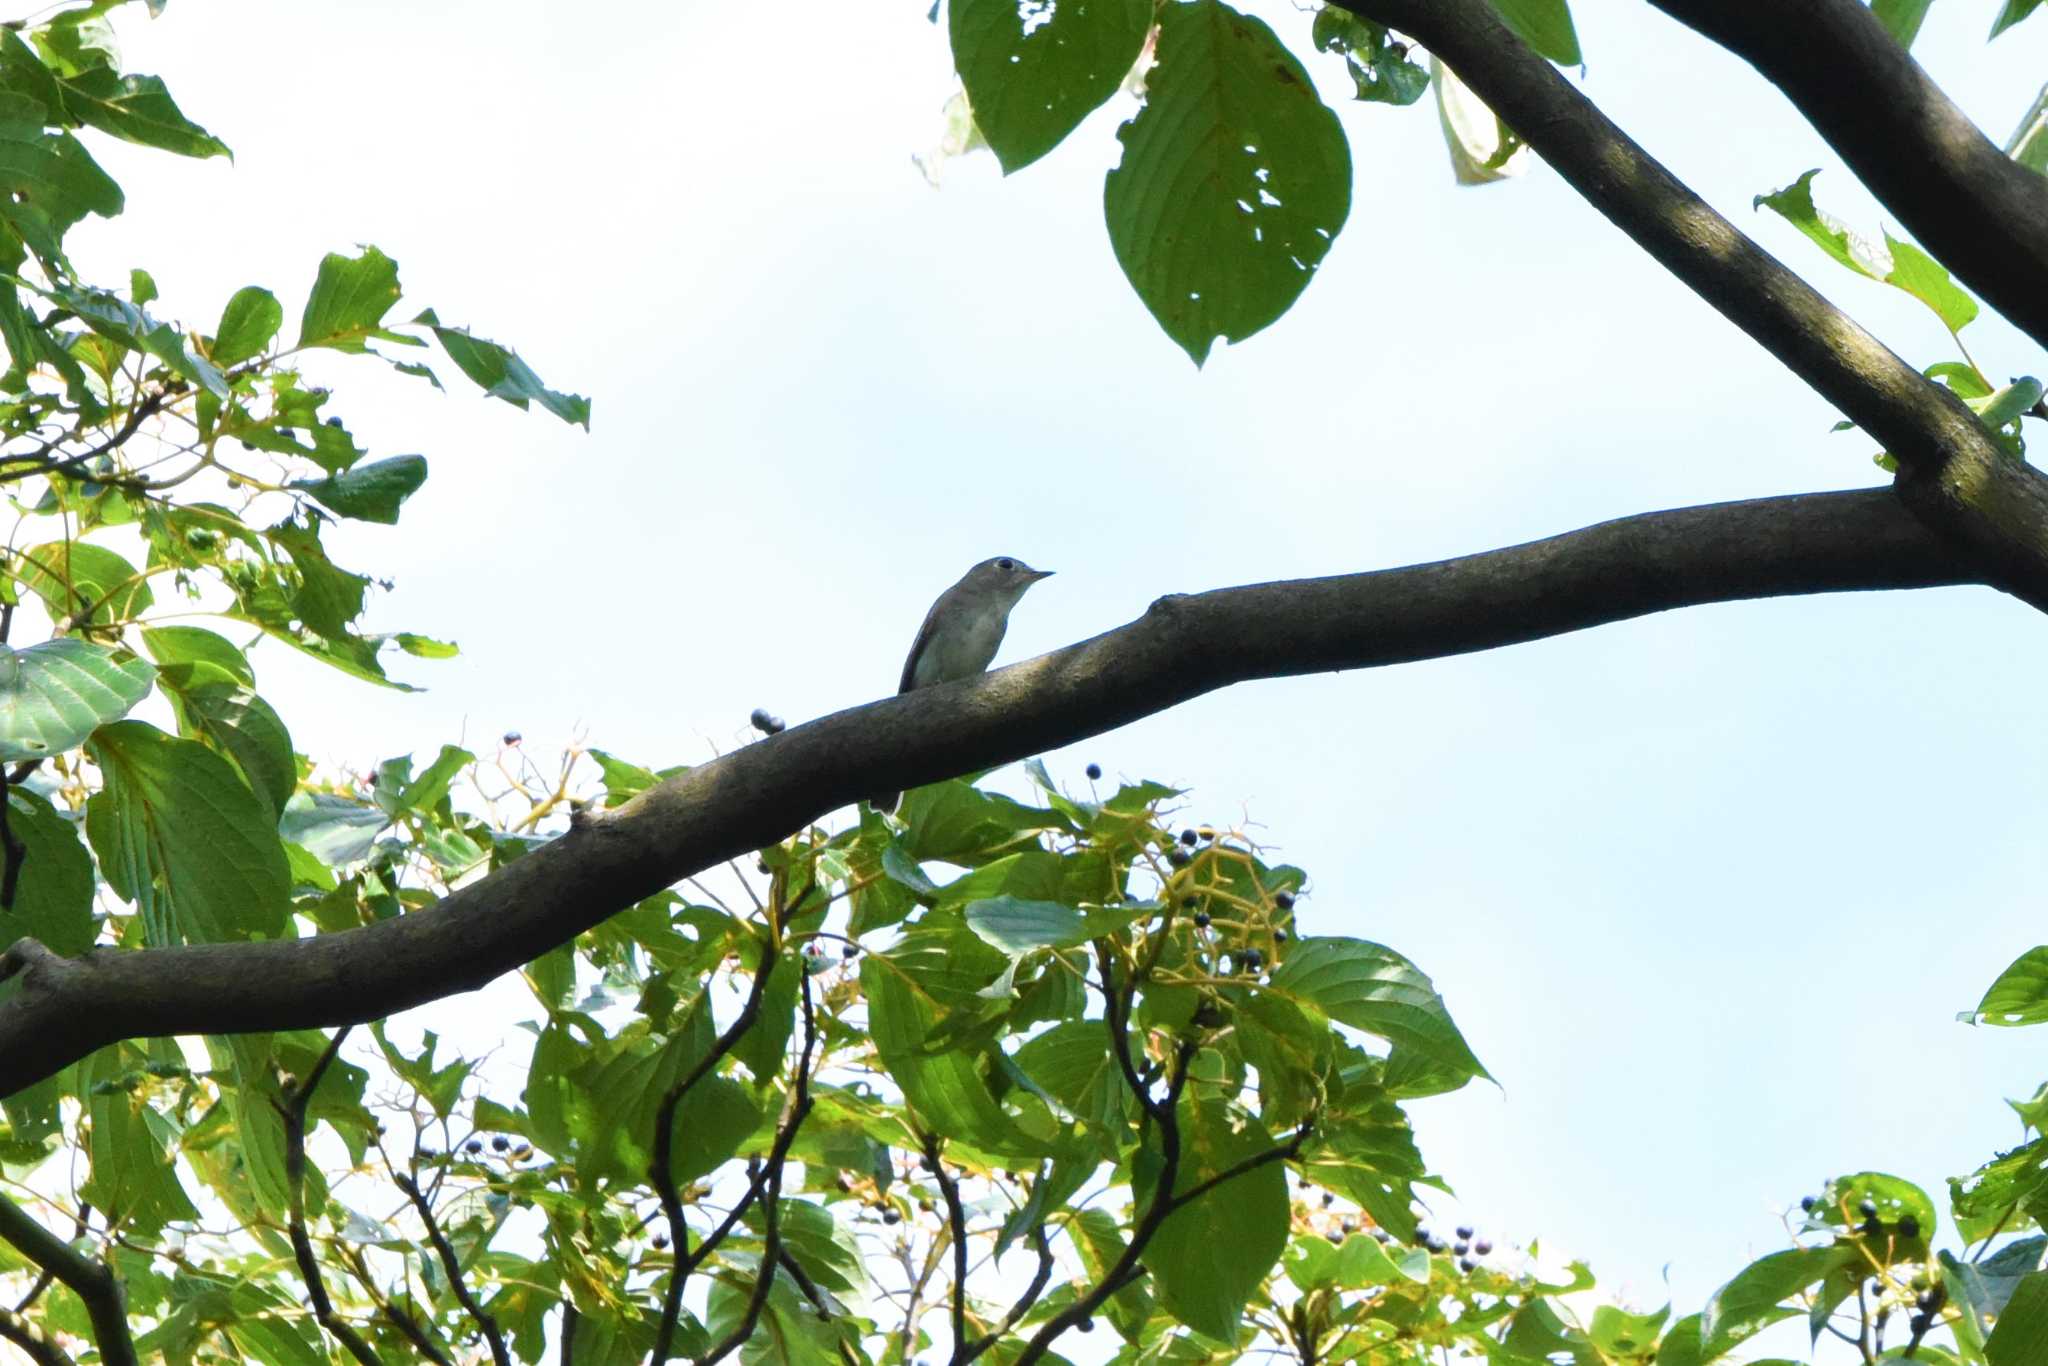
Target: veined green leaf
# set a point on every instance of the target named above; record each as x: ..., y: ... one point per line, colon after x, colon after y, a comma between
x: 349, y: 300
x: 1370, y: 987
x: 1032, y: 76
x: 1235, y: 179
x: 55, y: 693
x: 1896, y: 263
x: 2019, y: 996
x: 371, y: 492
x: 501, y: 374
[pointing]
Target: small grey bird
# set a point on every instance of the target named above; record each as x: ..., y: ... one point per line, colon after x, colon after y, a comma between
x: 961, y: 632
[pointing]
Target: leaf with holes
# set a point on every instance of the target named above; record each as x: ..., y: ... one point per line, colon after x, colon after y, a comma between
x: 54, y: 694
x: 1236, y: 178
x: 1034, y: 71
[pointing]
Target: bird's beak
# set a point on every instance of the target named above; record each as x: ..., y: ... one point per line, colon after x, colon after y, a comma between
x: 1038, y: 574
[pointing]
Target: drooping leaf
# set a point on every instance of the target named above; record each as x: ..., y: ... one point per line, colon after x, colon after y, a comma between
x: 1901, y: 18
x: 1545, y: 25
x: 1017, y: 926
x: 55, y: 693
x: 501, y: 374
x: 1235, y: 179
x: 2012, y: 12
x: 137, y: 109
x: 1370, y: 987
x: 335, y: 830
x: 1896, y: 263
x: 53, y: 898
x: 1756, y: 1297
x: 2021, y: 1337
x: 179, y: 834
x: 371, y: 492
x: 1033, y: 73
x: 241, y: 725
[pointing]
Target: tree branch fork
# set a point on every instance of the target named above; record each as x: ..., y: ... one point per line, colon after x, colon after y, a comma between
x: 1182, y: 647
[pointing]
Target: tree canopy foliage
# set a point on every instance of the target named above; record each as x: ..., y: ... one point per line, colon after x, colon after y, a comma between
x: 976, y: 1082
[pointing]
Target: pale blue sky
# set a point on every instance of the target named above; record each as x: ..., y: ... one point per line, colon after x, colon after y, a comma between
x: 1704, y: 891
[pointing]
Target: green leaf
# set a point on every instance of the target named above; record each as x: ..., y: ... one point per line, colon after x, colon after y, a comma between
x: 53, y: 899
x: 501, y: 374
x: 1617, y: 1332
x: 622, y: 780
x: 114, y: 317
x: 1379, y: 71
x: 1017, y: 927
x: 425, y: 647
x: 2019, y: 996
x: 1545, y: 25
x: 335, y: 830
x: 1314, y: 1263
x: 424, y: 792
x: 247, y: 325
x: 2012, y: 13
x: 1897, y: 263
x: 1901, y: 18
x: 141, y: 286
x: 1208, y: 1258
x: 83, y: 581
x: 326, y: 598
x: 134, y: 1176
x: 956, y: 822
x: 1235, y: 179
x: 1986, y: 1199
x: 2029, y: 142
x: 241, y: 725
x: 711, y: 1122
x: 192, y: 655
x: 372, y: 492
x: 55, y: 693
x: 2021, y: 1337
x: 1072, y: 1062
x: 1033, y: 74
x: 1754, y: 1299
x: 349, y: 300
x: 1370, y: 987
x: 137, y: 109
x: 179, y: 835
x: 945, y: 1090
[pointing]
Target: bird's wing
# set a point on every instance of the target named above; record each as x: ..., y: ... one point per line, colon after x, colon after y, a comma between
x: 924, y: 635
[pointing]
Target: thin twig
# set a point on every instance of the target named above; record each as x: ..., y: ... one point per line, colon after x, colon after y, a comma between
x: 32, y: 1340
x: 1039, y: 1278
x: 956, y: 1221
x: 794, y: 1113
x: 294, y: 1111
x: 452, y: 1265
x: 662, y: 1168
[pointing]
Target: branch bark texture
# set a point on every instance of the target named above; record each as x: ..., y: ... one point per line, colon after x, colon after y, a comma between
x: 1954, y: 477
x: 1981, y: 212
x: 1179, y: 649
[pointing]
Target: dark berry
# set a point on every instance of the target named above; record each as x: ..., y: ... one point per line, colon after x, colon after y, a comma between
x: 1423, y: 1237
x: 849, y: 951
x: 1207, y: 832
x: 1909, y: 1227
x: 1188, y: 837
x: 1461, y: 1247
x: 475, y: 1145
x: 1284, y: 900
x: 1924, y: 1301
x: 762, y: 865
x: 1350, y: 1227
x: 1465, y: 1232
x: 1328, y: 1199
x: 522, y: 1152
x: 1253, y: 960
x: 513, y: 737
x: 1436, y: 1245
x: 1177, y: 856
x: 1467, y: 1264
x: 660, y: 1241
x: 1201, y: 920
x: 1807, y: 1202
x: 1086, y: 1325
x: 1483, y: 1246
x: 1867, y: 1208
x: 1094, y: 772
x: 500, y: 1143
x: 1917, y: 1325
x: 1190, y: 902
x: 890, y: 1216
x: 1279, y: 936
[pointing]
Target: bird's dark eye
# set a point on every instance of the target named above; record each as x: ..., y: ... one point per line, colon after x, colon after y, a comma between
x: 1006, y: 565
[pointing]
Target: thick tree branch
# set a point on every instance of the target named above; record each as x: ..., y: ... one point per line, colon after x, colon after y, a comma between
x: 1181, y: 648
x: 1981, y: 212
x: 1953, y: 476
x: 32, y: 1340
x: 93, y: 1282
